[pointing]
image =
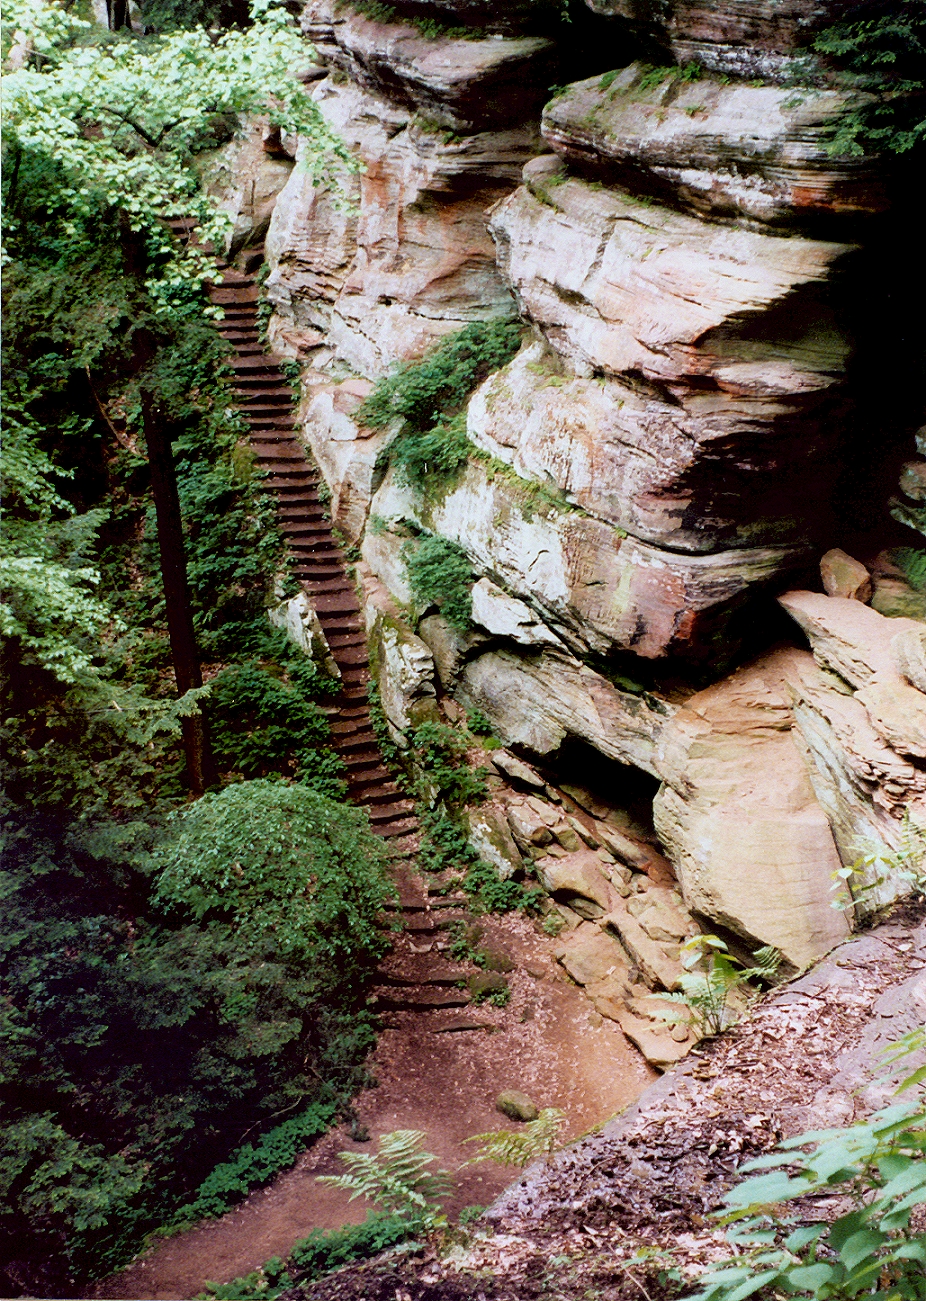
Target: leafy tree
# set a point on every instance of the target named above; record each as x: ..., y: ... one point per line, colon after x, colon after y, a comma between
x: 881, y: 49
x: 121, y: 119
x: 135, y: 1041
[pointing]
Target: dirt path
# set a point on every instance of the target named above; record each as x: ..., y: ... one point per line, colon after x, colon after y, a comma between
x: 437, y: 1079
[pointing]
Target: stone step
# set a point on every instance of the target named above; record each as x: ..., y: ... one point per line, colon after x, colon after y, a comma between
x: 420, y: 999
x: 399, y: 811
x: 235, y: 294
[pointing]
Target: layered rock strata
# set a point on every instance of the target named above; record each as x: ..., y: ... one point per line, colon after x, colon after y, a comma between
x: 647, y: 471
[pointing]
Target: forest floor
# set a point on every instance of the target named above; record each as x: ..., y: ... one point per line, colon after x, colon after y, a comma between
x: 606, y: 1215
x: 438, y: 1071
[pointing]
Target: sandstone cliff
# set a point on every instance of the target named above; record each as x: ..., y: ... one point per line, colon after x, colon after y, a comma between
x: 651, y: 470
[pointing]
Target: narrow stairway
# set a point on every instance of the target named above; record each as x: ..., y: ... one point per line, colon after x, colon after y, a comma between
x: 265, y: 399
x: 415, y: 976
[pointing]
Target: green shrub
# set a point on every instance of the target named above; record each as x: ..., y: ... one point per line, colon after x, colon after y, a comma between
x: 263, y: 723
x: 281, y: 861
x: 323, y: 1251
x: 432, y: 460
x: 489, y: 893
x: 881, y: 49
x: 426, y: 398
x: 440, y: 755
x: 423, y: 392
x: 879, y: 1167
x: 439, y: 573
x: 254, y: 1165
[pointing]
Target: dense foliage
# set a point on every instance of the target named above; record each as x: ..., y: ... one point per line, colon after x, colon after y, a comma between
x: 881, y: 49
x: 162, y: 1050
x: 439, y: 573
x: 424, y: 400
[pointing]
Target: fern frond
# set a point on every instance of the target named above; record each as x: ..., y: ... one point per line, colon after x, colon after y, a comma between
x: 396, y: 1176
x: 520, y: 1147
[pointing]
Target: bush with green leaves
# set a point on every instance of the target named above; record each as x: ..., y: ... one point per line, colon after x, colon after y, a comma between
x: 431, y: 460
x: 281, y: 861
x: 423, y: 392
x: 398, y: 1177
x: 439, y: 573
x: 425, y: 400
x: 321, y: 1252
x: 439, y: 753
x: 715, y: 987
x: 877, y: 1170
x: 264, y: 722
x: 148, y: 1039
x: 880, y: 49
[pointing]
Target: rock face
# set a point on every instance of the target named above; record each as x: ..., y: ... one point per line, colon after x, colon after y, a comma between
x: 740, y: 820
x: 738, y: 38
x: 640, y: 481
x: 415, y: 260
x: 728, y: 150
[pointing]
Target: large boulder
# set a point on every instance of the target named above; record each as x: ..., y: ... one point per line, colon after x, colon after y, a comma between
x: 740, y: 820
x: 863, y: 723
x: 536, y: 702
x: 641, y: 462
x: 731, y: 150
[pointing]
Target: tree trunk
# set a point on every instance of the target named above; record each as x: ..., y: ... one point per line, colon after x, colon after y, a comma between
x: 118, y: 11
x: 201, y: 769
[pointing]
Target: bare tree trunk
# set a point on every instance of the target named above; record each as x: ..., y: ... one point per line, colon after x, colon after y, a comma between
x: 201, y: 769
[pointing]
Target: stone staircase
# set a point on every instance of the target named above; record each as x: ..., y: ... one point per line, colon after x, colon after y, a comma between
x: 265, y: 399
x: 415, y: 976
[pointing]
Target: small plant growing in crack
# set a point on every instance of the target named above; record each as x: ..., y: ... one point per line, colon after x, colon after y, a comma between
x: 710, y: 981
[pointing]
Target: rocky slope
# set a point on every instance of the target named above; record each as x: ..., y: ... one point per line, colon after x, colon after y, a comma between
x: 649, y: 473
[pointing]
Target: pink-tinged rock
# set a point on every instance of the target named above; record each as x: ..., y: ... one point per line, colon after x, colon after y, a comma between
x: 734, y: 150
x: 844, y: 576
x: 411, y: 261
x: 865, y: 786
x: 740, y: 820
x: 623, y: 287
x: 845, y: 636
x: 595, y: 588
x: 578, y: 873
x: 908, y: 648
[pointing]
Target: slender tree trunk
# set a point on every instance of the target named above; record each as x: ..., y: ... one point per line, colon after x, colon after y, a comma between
x: 201, y: 769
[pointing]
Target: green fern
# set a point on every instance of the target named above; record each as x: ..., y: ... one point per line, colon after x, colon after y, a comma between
x: 710, y: 979
x: 397, y: 1178
x: 538, y: 1138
